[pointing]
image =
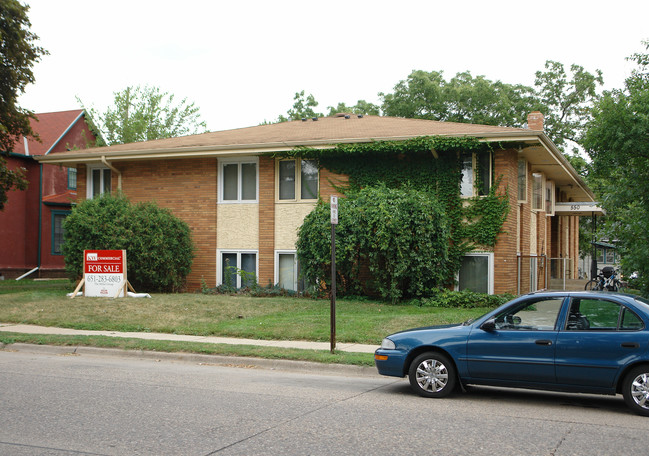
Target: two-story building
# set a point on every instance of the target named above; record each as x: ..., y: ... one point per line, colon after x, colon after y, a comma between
x: 244, y: 206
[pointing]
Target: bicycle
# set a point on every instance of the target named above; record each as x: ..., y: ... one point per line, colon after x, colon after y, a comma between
x: 606, y: 281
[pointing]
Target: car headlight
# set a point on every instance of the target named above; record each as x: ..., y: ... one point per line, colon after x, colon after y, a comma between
x: 387, y: 344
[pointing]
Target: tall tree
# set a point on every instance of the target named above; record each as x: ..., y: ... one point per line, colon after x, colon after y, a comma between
x: 143, y: 114
x: 18, y: 53
x: 568, y: 100
x: 617, y: 141
x: 361, y: 107
x: 303, y: 108
x: 464, y: 98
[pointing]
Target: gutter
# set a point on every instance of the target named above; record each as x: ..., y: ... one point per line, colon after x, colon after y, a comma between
x: 117, y: 171
x: 40, y: 217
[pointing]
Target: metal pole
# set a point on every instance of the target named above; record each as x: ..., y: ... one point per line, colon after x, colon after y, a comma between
x: 333, y: 288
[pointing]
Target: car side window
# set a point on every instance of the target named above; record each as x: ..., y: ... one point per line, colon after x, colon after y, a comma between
x: 533, y: 315
x: 630, y: 321
x: 601, y: 315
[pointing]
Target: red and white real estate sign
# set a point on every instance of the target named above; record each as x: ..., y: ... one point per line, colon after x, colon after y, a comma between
x: 104, y: 273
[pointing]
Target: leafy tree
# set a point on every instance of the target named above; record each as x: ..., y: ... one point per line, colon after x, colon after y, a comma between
x: 616, y: 140
x: 464, y: 98
x: 158, y: 244
x: 143, y: 114
x: 303, y: 108
x: 568, y: 100
x: 18, y: 53
x: 361, y: 107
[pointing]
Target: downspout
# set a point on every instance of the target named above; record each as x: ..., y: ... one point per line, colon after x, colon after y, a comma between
x: 119, y: 173
x: 40, y: 216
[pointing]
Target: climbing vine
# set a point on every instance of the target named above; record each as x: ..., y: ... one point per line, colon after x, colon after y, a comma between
x: 420, y: 168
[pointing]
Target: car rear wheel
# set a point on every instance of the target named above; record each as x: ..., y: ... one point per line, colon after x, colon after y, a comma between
x: 432, y: 375
x: 635, y: 390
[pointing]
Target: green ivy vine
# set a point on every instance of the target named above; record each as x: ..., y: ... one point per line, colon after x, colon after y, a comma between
x: 432, y: 165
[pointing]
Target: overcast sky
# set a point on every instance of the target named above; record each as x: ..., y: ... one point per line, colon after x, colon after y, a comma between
x: 241, y: 61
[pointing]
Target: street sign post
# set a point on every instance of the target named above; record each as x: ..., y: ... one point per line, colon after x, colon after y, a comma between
x: 334, y: 222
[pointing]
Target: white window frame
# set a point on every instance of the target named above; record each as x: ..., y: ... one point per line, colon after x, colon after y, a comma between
x: 525, y: 184
x: 295, y: 265
x: 238, y: 252
x: 542, y: 180
x: 474, y: 173
x: 239, y: 162
x: 549, y: 187
x: 89, y: 186
x: 298, y: 181
x: 490, y: 268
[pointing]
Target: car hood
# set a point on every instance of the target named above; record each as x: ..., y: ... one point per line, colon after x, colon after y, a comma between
x: 426, y: 328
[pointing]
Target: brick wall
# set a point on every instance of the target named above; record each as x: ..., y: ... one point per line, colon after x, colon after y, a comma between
x: 266, y: 220
x: 505, y: 255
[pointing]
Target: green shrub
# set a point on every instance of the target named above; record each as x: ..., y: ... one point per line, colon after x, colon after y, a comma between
x: 399, y: 235
x: 464, y: 299
x: 158, y: 245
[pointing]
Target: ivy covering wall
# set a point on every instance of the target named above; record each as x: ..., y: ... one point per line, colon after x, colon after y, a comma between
x: 403, y: 225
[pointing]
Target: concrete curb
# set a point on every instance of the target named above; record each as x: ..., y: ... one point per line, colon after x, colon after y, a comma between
x: 195, y: 358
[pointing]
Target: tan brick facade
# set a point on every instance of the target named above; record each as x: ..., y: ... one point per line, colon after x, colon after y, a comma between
x: 189, y: 188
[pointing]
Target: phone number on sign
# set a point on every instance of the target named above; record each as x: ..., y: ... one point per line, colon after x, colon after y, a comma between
x: 103, y: 278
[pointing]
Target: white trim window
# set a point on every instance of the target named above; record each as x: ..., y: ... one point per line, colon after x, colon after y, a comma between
x: 297, y: 180
x: 477, y: 272
x: 230, y: 263
x: 287, y: 272
x: 522, y: 180
x: 98, y: 181
x: 477, y: 171
x: 239, y: 180
x: 537, y: 191
x: 549, y: 197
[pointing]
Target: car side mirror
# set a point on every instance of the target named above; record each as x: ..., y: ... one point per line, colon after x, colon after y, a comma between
x: 489, y: 325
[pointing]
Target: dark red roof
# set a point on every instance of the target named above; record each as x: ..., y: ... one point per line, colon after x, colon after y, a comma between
x: 50, y: 126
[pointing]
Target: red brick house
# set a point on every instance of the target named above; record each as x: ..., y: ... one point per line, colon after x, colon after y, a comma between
x: 30, y: 225
x: 244, y: 207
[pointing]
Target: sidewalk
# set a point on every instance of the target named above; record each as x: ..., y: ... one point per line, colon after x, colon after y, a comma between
x: 32, y: 329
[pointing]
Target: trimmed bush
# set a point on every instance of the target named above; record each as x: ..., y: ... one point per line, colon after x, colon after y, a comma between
x: 464, y: 299
x: 158, y: 244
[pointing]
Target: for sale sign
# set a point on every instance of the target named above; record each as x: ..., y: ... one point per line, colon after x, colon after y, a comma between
x: 104, y: 273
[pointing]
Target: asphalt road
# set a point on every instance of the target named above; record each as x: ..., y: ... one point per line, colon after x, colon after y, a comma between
x: 94, y: 405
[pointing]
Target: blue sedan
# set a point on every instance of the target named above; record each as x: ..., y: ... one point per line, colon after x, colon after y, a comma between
x: 585, y: 342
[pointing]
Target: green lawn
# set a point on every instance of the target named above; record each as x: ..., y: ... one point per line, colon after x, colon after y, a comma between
x: 284, y: 318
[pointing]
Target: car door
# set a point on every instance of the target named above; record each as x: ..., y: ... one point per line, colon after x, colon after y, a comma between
x: 599, y: 337
x: 520, y: 347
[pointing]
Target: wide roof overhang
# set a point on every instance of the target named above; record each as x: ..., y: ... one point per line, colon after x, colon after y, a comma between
x: 535, y: 146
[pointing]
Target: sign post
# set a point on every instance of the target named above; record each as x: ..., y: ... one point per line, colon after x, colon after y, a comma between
x: 334, y: 222
x: 104, y: 273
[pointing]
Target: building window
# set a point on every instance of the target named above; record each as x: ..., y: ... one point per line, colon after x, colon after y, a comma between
x: 238, y: 181
x: 58, y: 232
x: 237, y: 268
x: 287, y: 271
x: 522, y: 180
x: 297, y: 180
x: 99, y: 181
x: 537, y: 191
x: 477, y: 170
x: 549, y: 198
x: 476, y: 273
x: 72, y: 178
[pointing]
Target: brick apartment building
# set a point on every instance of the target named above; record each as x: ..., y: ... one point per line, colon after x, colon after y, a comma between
x: 244, y: 206
x: 31, y: 232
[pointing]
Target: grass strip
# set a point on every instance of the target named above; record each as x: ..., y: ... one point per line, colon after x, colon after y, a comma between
x: 252, y: 351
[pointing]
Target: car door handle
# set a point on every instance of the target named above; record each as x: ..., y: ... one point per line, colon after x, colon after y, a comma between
x: 630, y: 345
x: 543, y: 342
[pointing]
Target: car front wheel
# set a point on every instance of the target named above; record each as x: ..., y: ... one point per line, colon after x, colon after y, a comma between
x: 635, y: 390
x: 432, y: 375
